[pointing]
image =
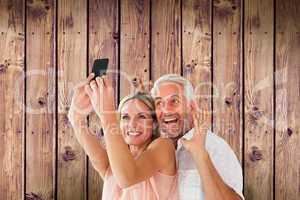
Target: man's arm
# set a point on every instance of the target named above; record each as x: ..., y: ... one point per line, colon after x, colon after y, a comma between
x: 213, y: 185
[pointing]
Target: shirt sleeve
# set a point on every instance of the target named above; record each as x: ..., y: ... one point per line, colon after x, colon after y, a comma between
x: 225, y: 162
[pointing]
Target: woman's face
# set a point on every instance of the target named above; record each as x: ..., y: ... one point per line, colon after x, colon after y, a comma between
x: 136, y: 122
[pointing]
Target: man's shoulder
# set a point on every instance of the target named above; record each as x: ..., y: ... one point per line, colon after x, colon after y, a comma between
x: 216, y: 144
x: 213, y: 140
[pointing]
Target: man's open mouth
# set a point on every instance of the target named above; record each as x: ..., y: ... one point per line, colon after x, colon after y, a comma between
x: 169, y: 120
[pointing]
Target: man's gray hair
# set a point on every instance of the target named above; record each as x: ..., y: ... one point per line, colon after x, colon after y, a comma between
x: 187, y: 85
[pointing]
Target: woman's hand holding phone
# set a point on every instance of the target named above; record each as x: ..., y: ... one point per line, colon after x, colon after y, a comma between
x: 81, y: 105
x: 101, y: 94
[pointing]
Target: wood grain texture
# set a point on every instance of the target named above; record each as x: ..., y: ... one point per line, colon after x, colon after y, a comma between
x: 227, y: 69
x: 196, y: 48
x: 103, y: 43
x: 135, y: 51
x: 11, y: 99
x: 259, y: 105
x: 287, y: 82
x: 166, y: 38
x: 40, y: 99
x: 72, y: 67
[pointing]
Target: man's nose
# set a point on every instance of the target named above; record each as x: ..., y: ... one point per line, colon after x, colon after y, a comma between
x: 167, y: 107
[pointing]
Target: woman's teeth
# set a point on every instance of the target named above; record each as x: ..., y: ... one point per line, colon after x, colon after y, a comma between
x: 131, y: 133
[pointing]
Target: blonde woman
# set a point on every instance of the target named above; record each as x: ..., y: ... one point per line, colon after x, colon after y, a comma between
x: 134, y: 165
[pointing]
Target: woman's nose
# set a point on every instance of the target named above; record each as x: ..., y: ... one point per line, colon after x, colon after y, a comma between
x: 132, y: 123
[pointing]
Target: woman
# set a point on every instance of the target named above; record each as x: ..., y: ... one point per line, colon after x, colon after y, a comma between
x: 134, y: 164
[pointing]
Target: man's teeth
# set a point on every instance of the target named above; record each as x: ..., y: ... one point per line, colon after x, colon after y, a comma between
x: 170, y: 119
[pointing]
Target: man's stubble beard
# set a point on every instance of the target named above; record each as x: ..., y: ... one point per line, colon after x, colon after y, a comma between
x: 187, y: 126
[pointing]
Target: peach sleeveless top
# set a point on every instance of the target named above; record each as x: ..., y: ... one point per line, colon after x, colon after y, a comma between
x: 157, y: 187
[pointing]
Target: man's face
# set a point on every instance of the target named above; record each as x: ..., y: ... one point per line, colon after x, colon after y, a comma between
x: 172, y: 110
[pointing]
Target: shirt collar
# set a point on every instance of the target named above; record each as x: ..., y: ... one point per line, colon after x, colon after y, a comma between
x: 187, y: 136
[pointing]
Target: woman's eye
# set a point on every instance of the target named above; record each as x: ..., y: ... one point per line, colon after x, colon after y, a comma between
x: 142, y: 117
x: 158, y: 103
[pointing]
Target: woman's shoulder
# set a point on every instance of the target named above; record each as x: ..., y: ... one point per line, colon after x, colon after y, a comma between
x: 162, y: 144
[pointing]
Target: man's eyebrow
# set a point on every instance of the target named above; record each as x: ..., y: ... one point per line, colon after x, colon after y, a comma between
x: 169, y: 96
x: 175, y: 95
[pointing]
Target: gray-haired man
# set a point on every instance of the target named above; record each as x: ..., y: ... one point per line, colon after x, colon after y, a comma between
x: 207, y: 166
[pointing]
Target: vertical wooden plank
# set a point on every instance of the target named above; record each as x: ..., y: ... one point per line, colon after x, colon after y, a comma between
x: 40, y: 98
x: 227, y: 91
x: 259, y: 94
x: 287, y: 166
x: 166, y: 38
x: 134, y: 54
x: 103, y: 43
x: 196, y: 50
x: 72, y: 67
x: 11, y: 99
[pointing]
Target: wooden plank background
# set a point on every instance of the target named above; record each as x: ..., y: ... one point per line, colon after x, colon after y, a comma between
x: 241, y: 55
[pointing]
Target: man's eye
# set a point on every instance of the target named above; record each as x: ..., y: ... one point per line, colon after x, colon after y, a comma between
x: 124, y: 117
x: 175, y: 101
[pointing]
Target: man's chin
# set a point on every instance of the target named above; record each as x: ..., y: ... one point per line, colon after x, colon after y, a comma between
x: 171, y: 135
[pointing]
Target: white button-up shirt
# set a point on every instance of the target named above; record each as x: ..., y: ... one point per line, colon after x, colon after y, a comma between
x: 223, y: 159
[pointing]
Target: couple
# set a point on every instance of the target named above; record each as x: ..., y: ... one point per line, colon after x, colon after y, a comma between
x: 178, y: 160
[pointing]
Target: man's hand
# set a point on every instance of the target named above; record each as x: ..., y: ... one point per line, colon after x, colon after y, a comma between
x: 196, y: 144
x: 101, y: 94
x: 80, y: 105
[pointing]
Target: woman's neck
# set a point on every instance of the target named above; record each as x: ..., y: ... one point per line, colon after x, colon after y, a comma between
x: 136, y: 150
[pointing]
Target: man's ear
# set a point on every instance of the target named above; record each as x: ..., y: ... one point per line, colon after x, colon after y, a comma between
x: 194, y: 105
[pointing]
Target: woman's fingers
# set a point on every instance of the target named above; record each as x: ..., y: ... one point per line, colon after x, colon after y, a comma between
x: 104, y: 80
x: 88, y: 90
x: 87, y: 81
x: 90, y: 77
x: 98, y: 81
x: 94, y: 86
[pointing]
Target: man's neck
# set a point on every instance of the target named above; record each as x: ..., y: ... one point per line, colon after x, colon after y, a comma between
x: 175, y: 140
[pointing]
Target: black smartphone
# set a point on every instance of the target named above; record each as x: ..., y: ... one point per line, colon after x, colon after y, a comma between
x: 100, y: 67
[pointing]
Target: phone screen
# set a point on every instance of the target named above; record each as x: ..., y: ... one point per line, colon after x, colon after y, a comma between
x: 100, y: 67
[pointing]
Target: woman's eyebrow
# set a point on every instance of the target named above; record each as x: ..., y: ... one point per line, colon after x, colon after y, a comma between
x: 143, y: 113
x: 157, y: 98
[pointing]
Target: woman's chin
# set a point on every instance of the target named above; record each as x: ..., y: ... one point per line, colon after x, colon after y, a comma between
x: 136, y: 141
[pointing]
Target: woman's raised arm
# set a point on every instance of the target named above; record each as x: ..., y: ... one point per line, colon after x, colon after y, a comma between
x: 79, y: 109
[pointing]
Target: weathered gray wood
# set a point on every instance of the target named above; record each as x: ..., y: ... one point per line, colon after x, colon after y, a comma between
x: 135, y: 51
x: 259, y: 103
x: 103, y: 43
x: 227, y: 73
x: 40, y: 99
x: 287, y: 81
x: 166, y: 38
x: 72, y: 67
x: 196, y: 49
x: 11, y: 99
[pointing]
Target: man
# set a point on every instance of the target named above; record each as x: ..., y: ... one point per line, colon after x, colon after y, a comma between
x: 207, y: 166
